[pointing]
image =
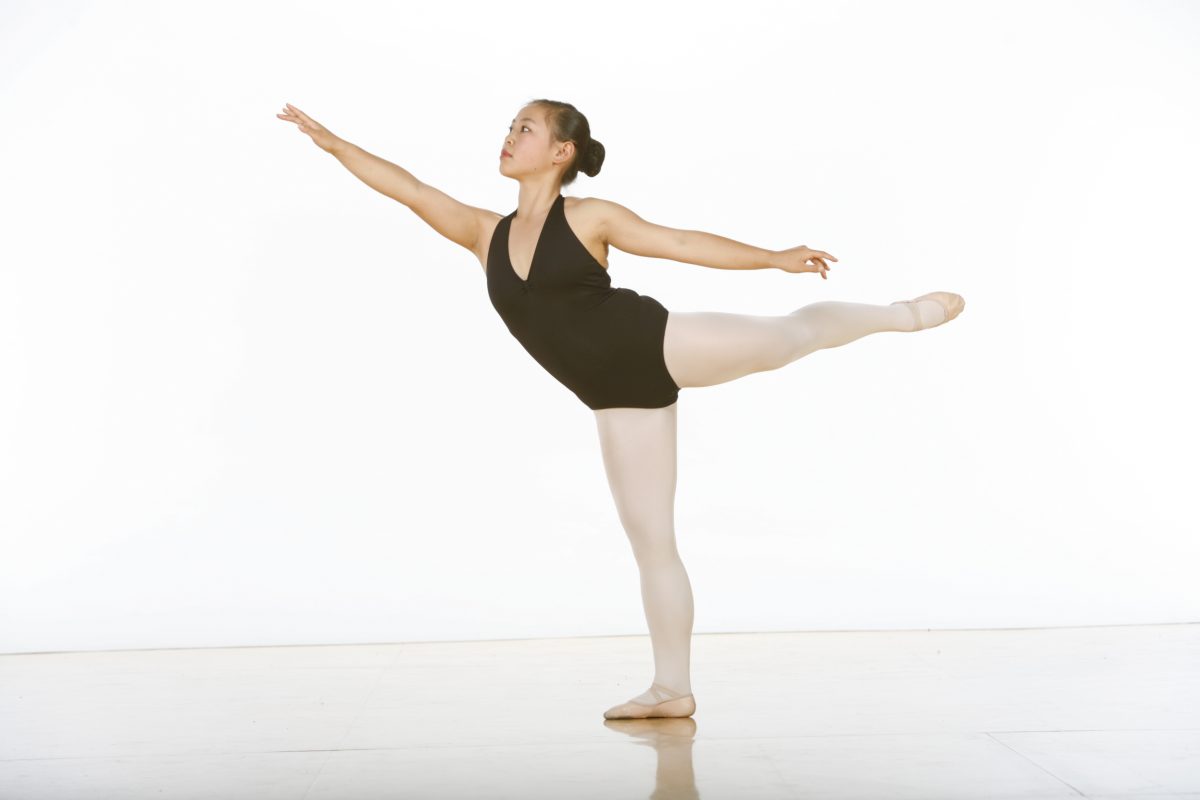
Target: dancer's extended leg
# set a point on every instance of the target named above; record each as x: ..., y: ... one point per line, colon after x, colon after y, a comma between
x: 638, y: 446
x: 703, y: 348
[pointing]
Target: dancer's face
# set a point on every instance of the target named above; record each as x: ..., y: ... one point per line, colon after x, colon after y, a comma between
x: 531, y: 146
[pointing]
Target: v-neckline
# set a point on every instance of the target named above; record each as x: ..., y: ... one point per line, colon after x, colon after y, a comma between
x: 536, y: 245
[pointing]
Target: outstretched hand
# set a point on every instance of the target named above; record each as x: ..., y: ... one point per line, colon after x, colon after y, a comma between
x: 321, y: 136
x: 803, y: 259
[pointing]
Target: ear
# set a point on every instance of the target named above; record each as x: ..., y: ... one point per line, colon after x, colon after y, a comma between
x: 565, y: 151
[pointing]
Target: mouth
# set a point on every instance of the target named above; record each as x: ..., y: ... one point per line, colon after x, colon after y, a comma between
x: 505, y: 154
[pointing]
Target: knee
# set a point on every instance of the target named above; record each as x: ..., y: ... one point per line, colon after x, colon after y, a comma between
x: 814, y: 309
x: 804, y: 333
x: 653, y: 550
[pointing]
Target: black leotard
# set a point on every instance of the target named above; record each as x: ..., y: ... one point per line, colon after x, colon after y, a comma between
x: 605, y: 344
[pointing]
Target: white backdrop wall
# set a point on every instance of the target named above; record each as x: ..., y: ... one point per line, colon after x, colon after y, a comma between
x: 247, y: 400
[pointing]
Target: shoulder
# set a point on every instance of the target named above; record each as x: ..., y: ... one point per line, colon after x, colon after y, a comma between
x: 596, y: 215
x: 592, y: 206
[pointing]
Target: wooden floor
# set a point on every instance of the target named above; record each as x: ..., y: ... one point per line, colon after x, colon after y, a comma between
x: 1108, y: 712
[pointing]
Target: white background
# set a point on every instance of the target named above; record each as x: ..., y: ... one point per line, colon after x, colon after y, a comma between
x: 246, y: 399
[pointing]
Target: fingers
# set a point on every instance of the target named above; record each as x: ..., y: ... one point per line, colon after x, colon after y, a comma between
x: 289, y: 116
x: 305, y: 117
x: 289, y: 113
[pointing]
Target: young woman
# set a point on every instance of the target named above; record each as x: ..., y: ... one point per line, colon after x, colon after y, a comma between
x: 622, y: 353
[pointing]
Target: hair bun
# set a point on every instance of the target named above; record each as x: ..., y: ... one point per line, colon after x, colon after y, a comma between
x: 593, y: 157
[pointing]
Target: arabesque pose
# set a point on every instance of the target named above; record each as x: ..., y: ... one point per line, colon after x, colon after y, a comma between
x: 622, y: 353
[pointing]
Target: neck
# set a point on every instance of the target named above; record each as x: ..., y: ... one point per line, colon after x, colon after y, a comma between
x: 534, y: 201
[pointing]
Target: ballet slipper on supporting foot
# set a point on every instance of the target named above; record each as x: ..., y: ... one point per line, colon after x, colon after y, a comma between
x: 670, y: 704
x: 952, y: 304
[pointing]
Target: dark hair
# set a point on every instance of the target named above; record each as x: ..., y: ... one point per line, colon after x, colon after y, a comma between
x: 567, y: 124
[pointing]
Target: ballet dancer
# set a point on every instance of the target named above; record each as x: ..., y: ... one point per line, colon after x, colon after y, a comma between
x: 622, y: 353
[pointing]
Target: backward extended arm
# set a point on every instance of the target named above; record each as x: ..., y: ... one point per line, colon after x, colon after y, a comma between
x: 627, y: 231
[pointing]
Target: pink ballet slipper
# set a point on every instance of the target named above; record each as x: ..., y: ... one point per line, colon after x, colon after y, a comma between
x: 952, y: 303
x: 668, y: 706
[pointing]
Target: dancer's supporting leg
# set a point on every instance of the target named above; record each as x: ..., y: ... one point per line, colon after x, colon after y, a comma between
x: 638, y: 446
x: 703, y: 348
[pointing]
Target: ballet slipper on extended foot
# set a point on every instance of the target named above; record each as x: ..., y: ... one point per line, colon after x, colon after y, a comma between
x: 671, y: 704
x: 952, y: 305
